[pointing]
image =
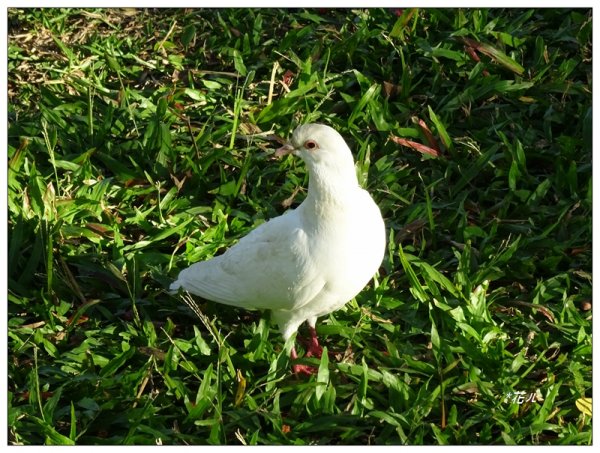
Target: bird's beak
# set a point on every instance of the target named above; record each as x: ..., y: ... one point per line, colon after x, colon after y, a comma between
x: 284, y: 150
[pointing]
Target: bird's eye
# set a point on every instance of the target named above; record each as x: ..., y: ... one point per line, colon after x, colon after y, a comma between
x: 310, y: 144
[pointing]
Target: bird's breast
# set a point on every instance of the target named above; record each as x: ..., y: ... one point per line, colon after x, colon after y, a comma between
x: 350, y: 244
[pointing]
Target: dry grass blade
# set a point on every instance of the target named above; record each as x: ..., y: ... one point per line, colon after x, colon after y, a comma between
x: 433, y: 144
x: 423, y: 149
x: 496, y: 54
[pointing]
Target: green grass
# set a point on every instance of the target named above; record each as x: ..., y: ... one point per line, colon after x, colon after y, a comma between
x: 140, y: 141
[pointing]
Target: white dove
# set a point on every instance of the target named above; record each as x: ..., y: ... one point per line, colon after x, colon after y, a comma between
x: 309, y: 261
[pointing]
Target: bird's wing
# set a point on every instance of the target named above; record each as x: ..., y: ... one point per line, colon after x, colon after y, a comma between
x: 270, y: 268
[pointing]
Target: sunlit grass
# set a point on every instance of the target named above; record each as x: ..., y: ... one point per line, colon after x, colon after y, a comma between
x: 140, y: 141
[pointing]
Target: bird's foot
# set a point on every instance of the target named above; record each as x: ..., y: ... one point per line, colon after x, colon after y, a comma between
x: 304, y: 369
x: 314, y: 348
x: 300, y: 368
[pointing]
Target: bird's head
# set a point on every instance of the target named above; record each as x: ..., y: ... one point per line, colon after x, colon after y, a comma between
x: 320, y: 146
x: 330, y: 163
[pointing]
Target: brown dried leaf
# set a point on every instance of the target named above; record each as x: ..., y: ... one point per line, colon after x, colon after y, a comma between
x: 427, y: 132
x: 416, y: 146
x: 390, y: 89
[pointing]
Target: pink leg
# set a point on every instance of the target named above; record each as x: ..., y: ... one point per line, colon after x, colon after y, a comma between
x: 299, y: 368
x: 314, y: 349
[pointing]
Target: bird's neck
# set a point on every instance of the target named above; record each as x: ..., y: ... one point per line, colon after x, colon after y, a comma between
x: 333, y: 186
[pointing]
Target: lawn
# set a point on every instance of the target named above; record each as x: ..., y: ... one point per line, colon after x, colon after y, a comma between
x: 140, y: 141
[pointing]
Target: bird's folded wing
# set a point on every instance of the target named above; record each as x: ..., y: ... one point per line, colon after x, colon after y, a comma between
x: 270, y: 268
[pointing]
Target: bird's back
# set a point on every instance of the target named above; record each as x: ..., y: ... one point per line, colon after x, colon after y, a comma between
x: 270, y: 268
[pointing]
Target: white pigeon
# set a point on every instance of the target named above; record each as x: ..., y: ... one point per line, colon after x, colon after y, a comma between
x: 309, y: 261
